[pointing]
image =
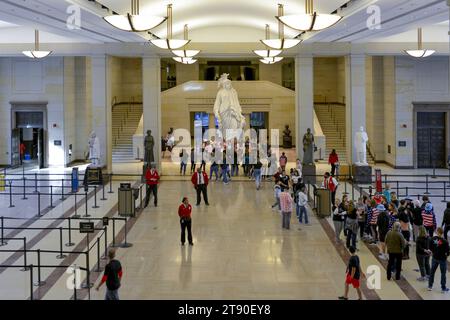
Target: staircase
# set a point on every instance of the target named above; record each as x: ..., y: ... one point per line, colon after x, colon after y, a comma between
x: 332, y: 121
x: 125, y: 120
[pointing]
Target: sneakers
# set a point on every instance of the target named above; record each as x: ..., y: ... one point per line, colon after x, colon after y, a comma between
x: 342, y: 298
x: 421, y: 279
x: 430, y: 289
x: 445, y: 290
x: 382, y: 256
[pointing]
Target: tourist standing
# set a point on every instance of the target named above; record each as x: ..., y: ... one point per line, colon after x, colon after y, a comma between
x: 257, y: 173
x: 193, y: 164
x: 302, y: 201
x: 353, y: 275
x: 339, y: 214
x: 277, y: 191
x: 417, y: 218
x: 185, y: 212
x: 283, y: 161
x: 200, y: 181
x: 286, y: 209
x: 403, y: 218
x: 112, y: 276
x: 429, y: 219
x: 423, y: 253
x: 395, y: 244
x: 333, y: 160
x: 351, y: 225
x: 331, y: 184
x: 387, y: 193
x: 383, y: 222
x: 440, y: 250
x: 152, y: 180
x: 183, y: 161
x: 446, y: 221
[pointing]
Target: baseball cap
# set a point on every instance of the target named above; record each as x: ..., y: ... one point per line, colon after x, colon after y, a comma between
x: 428, y: 207
x: 380, y: 207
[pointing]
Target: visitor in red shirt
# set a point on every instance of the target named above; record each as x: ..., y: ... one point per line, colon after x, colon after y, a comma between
x: 333, y: 160
x: 22, y: 152
x: 184, y: 212
x: 152, y: 180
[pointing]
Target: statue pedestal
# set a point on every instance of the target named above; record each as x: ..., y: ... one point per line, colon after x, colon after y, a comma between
x: 362, y: 174
x: 287, y: 142
x: 309, y: 173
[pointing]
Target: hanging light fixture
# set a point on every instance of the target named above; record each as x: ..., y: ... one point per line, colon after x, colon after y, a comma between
x: 186, y: 53
x: 169, y: 43
x: 134, y: 22
x: 267, y: 53
x: 271, y: 60
x: 310, y: 20
x: 36, y: 53
x: 280, y: 43
x: 420, y: 52
x: 185, y: 60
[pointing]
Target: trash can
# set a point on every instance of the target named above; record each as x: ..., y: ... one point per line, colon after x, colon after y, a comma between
x: 126, y: 204
x: 323, y: 202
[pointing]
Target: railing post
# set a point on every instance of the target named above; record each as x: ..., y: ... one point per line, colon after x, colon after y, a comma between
x: 114, y: 233
x: 31, y: 282
x: 445, y: 193
x: 35, y: 183
x: 76, y: 215
x: 98, y: 256
x: 75, y: 282
x: 95, y: 206
x: 24, y: 195
x: 345, y: 188
x: 407, y: 191
x: 110, y: 183
x: 51, y: 197
x: 353, y: 191
x: 39, y: 282
x: 105, y: 255
x: 25, y: 268
x: 140, y: 197
x: 426, y: 181
x: 2, y: 241
x: 10, y: 195
x: 39, y: 204
x: 103, y: 193
x: 125, y: 244
x: 86, y: 215
x: 398, y: 191
x: 88, y: 284
x: 70, y: 243
x: 61, y: 255
x: 62, y: 190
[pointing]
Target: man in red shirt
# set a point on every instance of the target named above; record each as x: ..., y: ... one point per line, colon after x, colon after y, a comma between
x: 152, y: 179
x: 200, y: 181
x: 22, y: 152
x: 184, y: 211
x: 331, y: 184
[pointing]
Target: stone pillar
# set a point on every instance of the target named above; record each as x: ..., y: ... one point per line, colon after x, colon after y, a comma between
x: 355, y: 75
x: 247, y: 121
x: 304, y: 99
x: 151, y: 95
x: 102, y: 108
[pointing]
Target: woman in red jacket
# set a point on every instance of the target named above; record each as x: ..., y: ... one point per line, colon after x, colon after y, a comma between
x: 184, y: 211
x: 333, y: 160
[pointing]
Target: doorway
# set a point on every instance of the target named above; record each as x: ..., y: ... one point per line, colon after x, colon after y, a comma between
x: 259, y: 120
x: 431, y: 140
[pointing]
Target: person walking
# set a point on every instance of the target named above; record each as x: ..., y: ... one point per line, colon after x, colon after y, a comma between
x: 277, y: 191
x: 333, y: 160
x: 257, y: 173
x: 112, y: 276
x: 446, y: 221
x: 361, y: 213
x: 185, y: 212
x: 339, y: 214
x: 353, y: 274
x: 283, y: 161
x: 152, y: 180
x: 302, y: 201
x: 22, y: 149
x: 429, y: 219
x: 403, y: 218
x: 440, y: 250
x: 200, y: 181
x: 286, y: 209
x: 395, y: 243
x: 214, y: 168
x: 383, y: 228
x: 183, y: 161
x: 423, y: 253
x: 193, y: 164
x: 331, y: 184
x: 351, y: 226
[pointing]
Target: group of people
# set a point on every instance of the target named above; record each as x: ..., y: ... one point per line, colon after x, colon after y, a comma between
x: 394, y: 226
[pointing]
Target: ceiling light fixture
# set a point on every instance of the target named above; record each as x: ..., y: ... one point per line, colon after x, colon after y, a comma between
x: 420, y: 52
x: 134, y: 22
x: 268, y: 53
x: 280, y: 43
x: 169, y: 43
x: 310, y: 20
x: 36, y: 53
x: 271, y: 60
x: 186, y: 53
x: 185, y: 60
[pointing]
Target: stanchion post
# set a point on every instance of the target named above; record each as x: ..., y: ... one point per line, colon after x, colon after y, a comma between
x: 10, y: 195
x: 105, y: 255
x: 86, y: 215
x: 345, y: 188
x: 2, y: 241
x: 110, y: 184
x: 98, y: 256
x: 62, y: 190
x: 125, y: 244
x: 426, y: 185
x: 445, y: 193
x: 353, y: 192
x: 95, y: 206
x: 114, y: 233
x: 39, y: 204
x: 360, y: 192
x: 75, y: 282
x: 407, y: 191
x: 103, y: 193
x: 25, y: 268
x: 61, y: 255
x: 39, y: 282
x: 88, y: 284
x: 35, y: 183
x: 398, y: 191
x: 140, y: 196
x: 70, y: 243
x: 76, y: 215
x: 31, y: 282
x: 24, y: 186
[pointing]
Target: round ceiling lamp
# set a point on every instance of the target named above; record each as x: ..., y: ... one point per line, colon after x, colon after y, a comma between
x: 36, y: 53
x: 420, y: 52
x: 183, y: 53
x: 310, y: 20
x: 280, y: 43
x: 169, y: 43
x: 185, y: 60
x: 271, y: 60
x: 267, y: 53
x: 134, y: 22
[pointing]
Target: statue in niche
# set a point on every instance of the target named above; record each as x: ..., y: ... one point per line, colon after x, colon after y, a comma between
x: 94, y: 149
x: 149, y: 143
x: 227, y: 109
x: 287, y: 138
x: 361, y: 139
x: 308, y: 147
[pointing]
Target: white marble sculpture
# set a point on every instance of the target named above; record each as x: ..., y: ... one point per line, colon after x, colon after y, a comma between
x: 94, y: 149
x: 361, y: 139
x: 226, y: 107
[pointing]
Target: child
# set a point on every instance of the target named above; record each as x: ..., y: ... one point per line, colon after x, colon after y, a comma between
x: 353, y: 275
x: 277, y: 191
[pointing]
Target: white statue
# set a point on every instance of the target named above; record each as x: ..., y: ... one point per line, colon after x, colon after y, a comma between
x: 227, y: 108
x: 94, y: 149
x: 361, y: 139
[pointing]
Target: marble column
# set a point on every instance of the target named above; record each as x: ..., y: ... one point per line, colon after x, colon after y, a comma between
x: 101, y: 107
x: 212, y: 125
x: 355, y: 84
x: 304, y: 100
x: 247, y: 121
x: 151, y: 87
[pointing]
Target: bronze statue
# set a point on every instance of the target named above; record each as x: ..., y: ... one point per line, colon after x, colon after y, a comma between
x: 308, y: 147
x: 149, y: 143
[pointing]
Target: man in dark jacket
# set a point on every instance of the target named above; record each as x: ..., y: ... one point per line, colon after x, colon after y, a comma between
x: 440, y: 249
x: 446, y: 221
x: 417, y: 221
x: 383, y: 228
x: 112, y: 276
x: 395, y: 243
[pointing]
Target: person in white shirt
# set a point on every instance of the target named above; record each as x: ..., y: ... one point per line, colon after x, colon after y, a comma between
x: 302, y: 201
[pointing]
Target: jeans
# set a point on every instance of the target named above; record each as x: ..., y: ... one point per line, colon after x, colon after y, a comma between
x: 183, y: 168
x: 430, y: 231
x: 225, y: 174
x: 351, y: 236
x: 277, y: 204
x: 286, y: 220
x: 333, y: 197
x: 186, y: 224
x: 151, y: 188
x: 424, y: 264
x: 395, y: 260
x: 442, y: 264
x: 362, y: 228
x: 300, y: 211
x: 257, y: 173
x: 333, y: 169
x: 415, y: 231
x: 112, y: 294
x: 338, y: 226
x: 234, y: 170
x: 193, y: 165
x: 374, y: 232
x: 215, y: 170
